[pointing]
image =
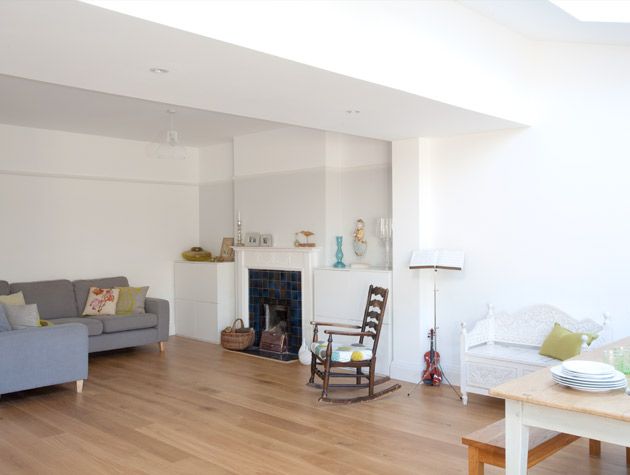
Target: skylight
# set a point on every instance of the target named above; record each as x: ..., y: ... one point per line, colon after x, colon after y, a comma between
x: 610, y: 11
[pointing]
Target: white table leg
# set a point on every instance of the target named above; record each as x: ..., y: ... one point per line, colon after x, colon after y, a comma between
x: 516, y: 439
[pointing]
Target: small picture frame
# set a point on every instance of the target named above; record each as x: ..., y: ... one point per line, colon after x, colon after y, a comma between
x: 252, y: 239
x: 266, y: 240
x: 227, y: 253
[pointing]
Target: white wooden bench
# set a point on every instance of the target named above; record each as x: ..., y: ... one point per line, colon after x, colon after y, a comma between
x: 504, y: 346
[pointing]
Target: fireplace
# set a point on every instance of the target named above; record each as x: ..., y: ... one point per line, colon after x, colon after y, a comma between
x: 275, y: 305
x: 276, y: 318
x: 296, y: 284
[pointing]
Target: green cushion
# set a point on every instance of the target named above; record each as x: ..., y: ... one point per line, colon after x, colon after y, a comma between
x: 131, y: 300
x: 563, y: 344
x: 13, y: 299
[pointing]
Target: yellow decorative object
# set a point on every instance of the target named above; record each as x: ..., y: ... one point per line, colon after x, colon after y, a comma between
x: 306, y: 243
x: 197, y: 254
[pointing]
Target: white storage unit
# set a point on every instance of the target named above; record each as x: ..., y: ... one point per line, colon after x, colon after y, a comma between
x: 340, y: 296
x: 204, y: 299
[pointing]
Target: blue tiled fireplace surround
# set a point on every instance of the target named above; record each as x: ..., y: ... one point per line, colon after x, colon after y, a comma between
x: 276, y: 287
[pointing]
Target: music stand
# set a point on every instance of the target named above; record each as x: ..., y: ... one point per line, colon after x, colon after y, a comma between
x: 437, y: 259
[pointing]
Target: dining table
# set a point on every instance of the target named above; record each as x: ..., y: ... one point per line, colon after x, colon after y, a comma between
x: 535, y: 400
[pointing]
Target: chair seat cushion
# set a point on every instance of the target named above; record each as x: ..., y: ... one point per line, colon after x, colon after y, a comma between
x: 341, y: 352
x: 512, y: 353
x: 122, y: 323
x: 94, y: 326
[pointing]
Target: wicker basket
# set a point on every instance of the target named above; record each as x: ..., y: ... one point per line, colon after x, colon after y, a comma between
x: 237, y: 337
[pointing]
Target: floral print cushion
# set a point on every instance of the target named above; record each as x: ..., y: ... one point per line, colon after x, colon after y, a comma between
x: 101, y: 302
x: 343, y: 353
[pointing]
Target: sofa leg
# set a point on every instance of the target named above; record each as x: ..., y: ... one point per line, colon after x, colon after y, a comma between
x: 79, y: 386
x: 162, y: 346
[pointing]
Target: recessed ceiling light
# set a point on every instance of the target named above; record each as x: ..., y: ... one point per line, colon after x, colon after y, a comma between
x: 159, y: 70
x: 610, y: 11
x: 352, y: 111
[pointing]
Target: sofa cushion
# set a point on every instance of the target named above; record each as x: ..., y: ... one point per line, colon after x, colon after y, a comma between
x: 101, y: 302
x: 13, y: 299
x: 119, y: 323
x: 54, y: 298
x: 5, y: 326
x: 22, y: 316
x: 4, y: 287
x: 93, y: 325
x: 131, y: 300
x: 82, y: 288
x: 563, y: 344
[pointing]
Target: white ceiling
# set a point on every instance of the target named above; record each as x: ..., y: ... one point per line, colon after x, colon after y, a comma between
x: 50, y: 106
x: 81, y: 46
x: 542, y: 20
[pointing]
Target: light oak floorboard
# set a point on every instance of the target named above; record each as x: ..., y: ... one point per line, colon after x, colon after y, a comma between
x: 197, y: 409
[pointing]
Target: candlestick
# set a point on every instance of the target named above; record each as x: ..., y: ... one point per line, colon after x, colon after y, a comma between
x: 239, y: 233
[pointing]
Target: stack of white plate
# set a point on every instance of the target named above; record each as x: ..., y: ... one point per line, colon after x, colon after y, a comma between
x: 588, y: 376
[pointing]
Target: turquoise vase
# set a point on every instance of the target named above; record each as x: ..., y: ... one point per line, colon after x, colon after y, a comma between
x: 339, y: 255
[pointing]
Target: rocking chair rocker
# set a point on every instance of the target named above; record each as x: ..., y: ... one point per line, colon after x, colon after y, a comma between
x: 331, y: 355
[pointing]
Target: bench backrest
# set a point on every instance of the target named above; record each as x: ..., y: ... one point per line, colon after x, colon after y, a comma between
x: 528, y: 326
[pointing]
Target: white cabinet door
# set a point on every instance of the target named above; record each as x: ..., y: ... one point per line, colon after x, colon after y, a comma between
x: 206, y: 322
x: 185, y: 317
x: 196, y: 281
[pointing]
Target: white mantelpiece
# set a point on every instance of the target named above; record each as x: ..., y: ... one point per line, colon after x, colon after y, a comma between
x: 301, y: 259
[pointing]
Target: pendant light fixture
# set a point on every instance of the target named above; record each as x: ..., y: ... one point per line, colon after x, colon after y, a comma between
x: 167, y: 145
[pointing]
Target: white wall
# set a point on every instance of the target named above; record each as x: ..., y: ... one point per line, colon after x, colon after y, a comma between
x: 216, y: 195
x: 541, y: 213
x: 358, y: 186
x: 282, y: 204
x: 279, y: 150
x: 78, y: 206
x: 291, y: 179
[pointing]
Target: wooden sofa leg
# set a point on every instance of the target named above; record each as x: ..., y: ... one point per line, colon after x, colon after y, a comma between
x: 628, y: 456
x: 79, y: 386
x: 162, y: 346
x: 475, y: 467
x: 594, y: 448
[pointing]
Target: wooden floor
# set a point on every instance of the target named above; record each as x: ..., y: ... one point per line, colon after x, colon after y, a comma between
x: 201, y: 410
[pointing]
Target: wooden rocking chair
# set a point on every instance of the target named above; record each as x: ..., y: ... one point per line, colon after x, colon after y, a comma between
x: 358, y: 356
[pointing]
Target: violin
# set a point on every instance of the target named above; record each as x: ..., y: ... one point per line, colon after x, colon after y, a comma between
x: 432, y: 375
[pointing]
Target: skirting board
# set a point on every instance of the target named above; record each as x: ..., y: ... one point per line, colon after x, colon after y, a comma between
x: 412, y: 372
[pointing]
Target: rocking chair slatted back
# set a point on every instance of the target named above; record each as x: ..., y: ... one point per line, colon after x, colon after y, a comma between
x: 374, y: 314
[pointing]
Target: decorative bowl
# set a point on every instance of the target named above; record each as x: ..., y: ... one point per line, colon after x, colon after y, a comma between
x: 197, y: 254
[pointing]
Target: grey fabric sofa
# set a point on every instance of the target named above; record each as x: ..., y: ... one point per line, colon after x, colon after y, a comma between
x: 63, y: 301
x: 37, y: 357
